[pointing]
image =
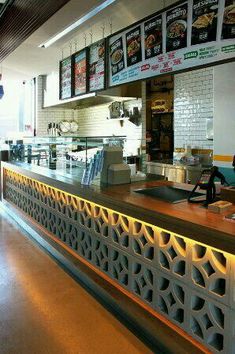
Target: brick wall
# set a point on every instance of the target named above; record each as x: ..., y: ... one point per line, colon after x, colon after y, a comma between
x: 193, y: 104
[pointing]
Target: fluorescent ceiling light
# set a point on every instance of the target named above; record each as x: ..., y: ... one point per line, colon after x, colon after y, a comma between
x: 78, y: 23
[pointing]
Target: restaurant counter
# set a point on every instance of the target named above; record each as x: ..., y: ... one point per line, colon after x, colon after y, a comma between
x: 176, y: 260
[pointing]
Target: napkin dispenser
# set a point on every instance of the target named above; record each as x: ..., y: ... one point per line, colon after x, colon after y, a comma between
x: 114, y: 171
x: 119, y: 174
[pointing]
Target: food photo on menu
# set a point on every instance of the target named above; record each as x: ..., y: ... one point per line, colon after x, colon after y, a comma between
x: 96, y: 65
x: 116, y: 56
x: 66, y: 78
x: 176, y: 28
x: 228, y: 27
x: 204, y: 22
x: 80, y: 73
x: 133, y: 46
x: 153, y: 37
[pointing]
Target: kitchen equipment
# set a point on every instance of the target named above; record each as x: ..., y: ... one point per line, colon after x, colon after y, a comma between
x: 53, y: 129
x: 64, y: 126
x: 73, y: 127
x: 115, y: 110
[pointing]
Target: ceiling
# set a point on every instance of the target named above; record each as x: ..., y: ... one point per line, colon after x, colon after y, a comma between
x: 20, y: 18
x: 28, y: 60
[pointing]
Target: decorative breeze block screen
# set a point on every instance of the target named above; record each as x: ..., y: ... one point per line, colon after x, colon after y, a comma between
x: 189, y: 283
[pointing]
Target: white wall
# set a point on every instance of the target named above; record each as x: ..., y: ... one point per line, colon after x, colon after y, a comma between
x: 193, y: 104
x: 51, y: 89
x: 224, y: 101
x: 9, y: 109
x: 45, y: 116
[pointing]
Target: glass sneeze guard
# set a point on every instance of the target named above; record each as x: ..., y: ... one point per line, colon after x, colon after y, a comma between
x: 71, y: 155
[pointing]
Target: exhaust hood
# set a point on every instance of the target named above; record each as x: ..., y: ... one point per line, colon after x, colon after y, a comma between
x: 120, y: 93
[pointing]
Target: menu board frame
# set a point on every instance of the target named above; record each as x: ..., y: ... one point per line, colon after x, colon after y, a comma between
x: 153, y: 36
x: 60, y: 79
x: 226, y: 46
x: 228, y: 28
x: 175, y: 17
x: 201, y: 12
x: 85, y: 50
x: 105, y: 65
x: 192, y: 57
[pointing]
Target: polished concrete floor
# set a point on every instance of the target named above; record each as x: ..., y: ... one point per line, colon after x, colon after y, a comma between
x: 43, y: 310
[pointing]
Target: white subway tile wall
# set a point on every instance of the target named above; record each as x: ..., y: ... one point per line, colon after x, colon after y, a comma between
x: 193, y: 104
x: 92, y: 121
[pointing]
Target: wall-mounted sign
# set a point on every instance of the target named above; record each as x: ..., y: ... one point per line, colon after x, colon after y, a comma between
x: 204, y: 22
x: 116, y: 56
x: 177, y: 27
x: 153, y: 37
x: 191, y: 34
x: 80, y: 72
x: 97, y: 58
x: 228, y: 27
x: 133, y: 46
x: 65, y: 78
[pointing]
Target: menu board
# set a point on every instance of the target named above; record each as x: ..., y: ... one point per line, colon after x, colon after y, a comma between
x: 176, y: 28
x: 133, y: 46
x: 97, y: 66
x: 228, y: 26
x: 204, y: 23
x: 65, y: 78
x: 116, y: 55
x: 192, y: 34
x: 80, y: 73
x: 153, y: 37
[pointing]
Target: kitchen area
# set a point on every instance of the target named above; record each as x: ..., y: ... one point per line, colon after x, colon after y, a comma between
x: 179, y: 120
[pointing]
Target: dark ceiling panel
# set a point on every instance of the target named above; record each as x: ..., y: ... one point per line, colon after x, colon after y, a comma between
x: 21, y: 18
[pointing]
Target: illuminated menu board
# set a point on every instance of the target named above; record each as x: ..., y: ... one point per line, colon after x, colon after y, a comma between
x: 65, y: 78
x: 176, y: 28
x: 191, y: 34
x: 80, y: 73
x: 204, y: 21
x: 228, y: 26
x: 97, y: 68
x: 153, y: 37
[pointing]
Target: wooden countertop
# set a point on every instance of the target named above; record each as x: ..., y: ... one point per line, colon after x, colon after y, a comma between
x: 192, y: 220
x: 189, y: 220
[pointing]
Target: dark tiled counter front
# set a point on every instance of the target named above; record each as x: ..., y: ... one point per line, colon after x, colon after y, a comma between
x: 176, y: 259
